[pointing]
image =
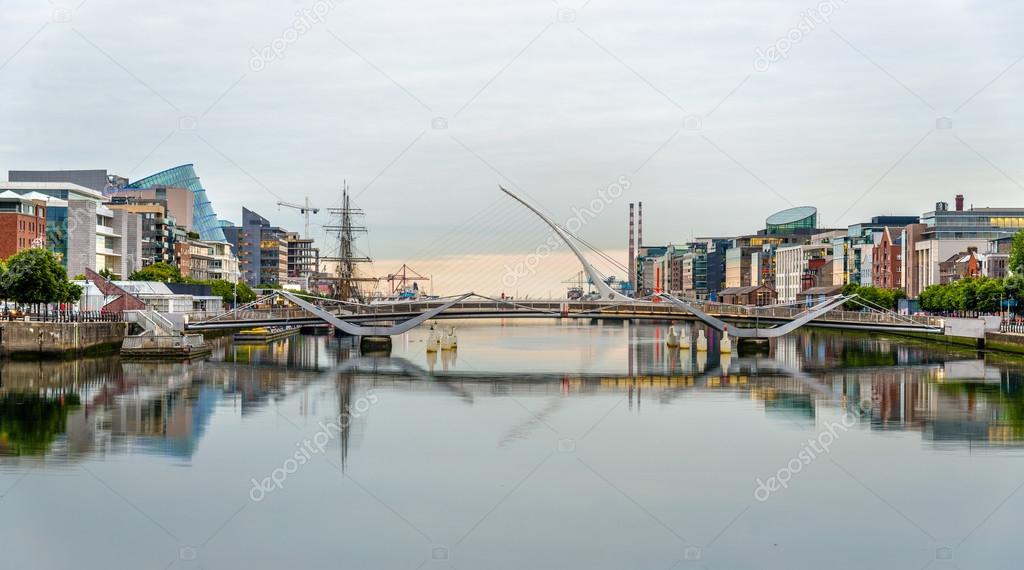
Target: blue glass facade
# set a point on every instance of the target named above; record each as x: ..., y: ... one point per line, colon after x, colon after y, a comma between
x: 204, y: 219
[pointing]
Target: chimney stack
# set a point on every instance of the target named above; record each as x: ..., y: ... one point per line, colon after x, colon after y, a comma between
x: 959, y: 202
x: 640, y: 224
x: 632, y: 249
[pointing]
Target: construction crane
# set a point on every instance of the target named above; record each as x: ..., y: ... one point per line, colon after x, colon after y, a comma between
x: 404, y: 279
x: 304, y: 209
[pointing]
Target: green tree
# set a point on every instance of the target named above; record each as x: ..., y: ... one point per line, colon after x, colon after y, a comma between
x: 226, y: 290
x: 161, y: 271
x: 71, y: 293
x: 1016, y: 259
x: 35, y: 276
x: 872, y: 296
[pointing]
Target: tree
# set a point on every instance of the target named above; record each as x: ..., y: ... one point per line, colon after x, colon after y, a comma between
x: 35, y: 276
x: 161, y: 271
x: 226, y: 290
x: 1016, y: 259
x: 989, y: 295
x: 873, y: 297
x: 969, y: 294
x: 71, y: 293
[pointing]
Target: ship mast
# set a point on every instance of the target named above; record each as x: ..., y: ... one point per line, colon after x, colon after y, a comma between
x: 346, y: 276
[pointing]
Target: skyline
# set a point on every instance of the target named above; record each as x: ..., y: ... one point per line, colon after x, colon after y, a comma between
x: 584, y: 88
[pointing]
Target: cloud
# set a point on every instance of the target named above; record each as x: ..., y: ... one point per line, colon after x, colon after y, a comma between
x: 554, y: 106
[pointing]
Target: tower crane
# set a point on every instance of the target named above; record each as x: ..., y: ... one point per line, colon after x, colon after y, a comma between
x: 305, y: 209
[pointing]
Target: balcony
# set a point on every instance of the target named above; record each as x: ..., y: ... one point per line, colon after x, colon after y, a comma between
x: 106, y: 231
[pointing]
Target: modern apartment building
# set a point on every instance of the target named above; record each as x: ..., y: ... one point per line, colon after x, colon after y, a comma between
x: 82, y: 231
x: 946, y: 233
x: 801, y: 267
x: 303, y: 258
x: 97, y: 180
x: 206, y: 260
x: 178, y: 203
x: 158, y: 235
x: 261, y: 249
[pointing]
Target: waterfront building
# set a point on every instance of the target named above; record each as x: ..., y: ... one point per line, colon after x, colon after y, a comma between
x: 97, y: 180
x: 798, y: 220
x: 158, y: 230
x: 816, y: 295
x: 273, y: 256
x: 853, y: 257
x: 205, y: 260
x: 717, y: 248
x: 174, y: 300
x: 650, y: 269
x: 754, y: 295
x: 82, y: 231
x: 801, y: 267
x: 261, y: 249
x: 303, y: 258
x: 887, y: 262
x: 945, y: 233
x: 972, y: 263
x: 178, y: 203
x: 22, y: 223
x: 739, y: 257
x: 693, y: 271
x: 204, y: 219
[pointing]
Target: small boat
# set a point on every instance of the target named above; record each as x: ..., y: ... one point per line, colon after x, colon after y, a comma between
x: 260, y: 335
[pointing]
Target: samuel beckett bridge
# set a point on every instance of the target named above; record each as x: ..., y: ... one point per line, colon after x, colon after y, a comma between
x: 384, y: 320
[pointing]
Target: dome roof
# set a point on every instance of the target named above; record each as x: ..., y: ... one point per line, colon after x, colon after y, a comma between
x: 791, y: 215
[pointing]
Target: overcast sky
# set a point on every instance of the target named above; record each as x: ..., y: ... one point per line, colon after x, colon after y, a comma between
x: 716, y: 113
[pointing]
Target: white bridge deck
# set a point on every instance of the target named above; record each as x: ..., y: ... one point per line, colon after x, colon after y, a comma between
x: 392, y: 314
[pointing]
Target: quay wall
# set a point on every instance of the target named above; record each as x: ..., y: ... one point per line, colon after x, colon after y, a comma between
x: 57, y: 339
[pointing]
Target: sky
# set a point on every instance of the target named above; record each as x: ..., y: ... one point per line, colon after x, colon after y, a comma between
x: 714, y: 115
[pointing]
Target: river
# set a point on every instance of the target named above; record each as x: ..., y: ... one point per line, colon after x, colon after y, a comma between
x: 534, y: 445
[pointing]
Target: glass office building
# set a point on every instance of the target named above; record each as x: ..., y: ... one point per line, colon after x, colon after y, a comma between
x: 976, y: 223
x: 204, y: 219
x: 799, y: 220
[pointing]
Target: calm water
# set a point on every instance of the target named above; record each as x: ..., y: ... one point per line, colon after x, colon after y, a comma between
x: 537, y: 445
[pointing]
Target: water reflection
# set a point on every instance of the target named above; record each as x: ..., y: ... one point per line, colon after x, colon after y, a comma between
x: 103, y: 406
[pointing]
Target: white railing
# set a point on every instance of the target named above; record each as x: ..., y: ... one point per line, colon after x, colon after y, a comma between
x: 163, y: 342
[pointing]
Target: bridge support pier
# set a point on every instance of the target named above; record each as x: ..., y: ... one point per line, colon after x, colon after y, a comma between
x: 375, y: 344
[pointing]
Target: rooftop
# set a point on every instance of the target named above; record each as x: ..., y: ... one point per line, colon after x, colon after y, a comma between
x: 791, y: 215
x: 22, y: 187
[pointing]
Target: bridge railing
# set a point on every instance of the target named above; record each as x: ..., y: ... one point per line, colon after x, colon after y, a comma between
x: 555, y: 308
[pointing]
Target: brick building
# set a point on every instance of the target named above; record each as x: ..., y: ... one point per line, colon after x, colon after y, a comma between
x: 22, y: 223
x: 887, y: 262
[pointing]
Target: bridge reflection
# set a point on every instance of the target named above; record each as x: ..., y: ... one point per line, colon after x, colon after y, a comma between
x: 63, y: 410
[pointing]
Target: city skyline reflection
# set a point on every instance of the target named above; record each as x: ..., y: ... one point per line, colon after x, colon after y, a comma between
x: 108, y: 407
